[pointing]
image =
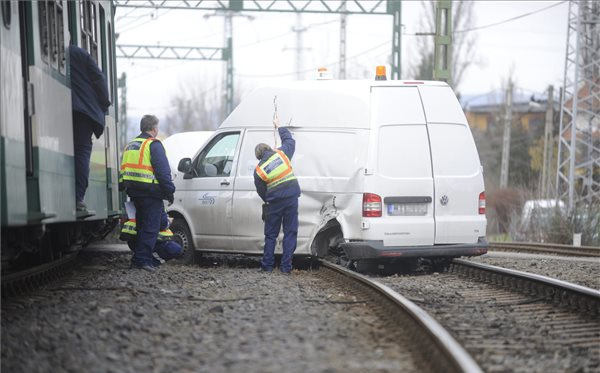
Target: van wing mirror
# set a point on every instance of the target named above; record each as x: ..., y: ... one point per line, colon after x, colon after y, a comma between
x: 185, y: 166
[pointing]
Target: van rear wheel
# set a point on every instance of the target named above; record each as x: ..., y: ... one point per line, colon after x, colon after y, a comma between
x: 182, y: 235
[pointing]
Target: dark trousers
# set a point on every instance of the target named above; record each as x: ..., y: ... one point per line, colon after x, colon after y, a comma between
x: 148, y: 214
x: 167, y: 250
x: 281, y: 211
x: 83, y: 128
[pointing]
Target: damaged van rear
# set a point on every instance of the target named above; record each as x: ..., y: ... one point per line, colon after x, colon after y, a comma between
x: 388, y: 170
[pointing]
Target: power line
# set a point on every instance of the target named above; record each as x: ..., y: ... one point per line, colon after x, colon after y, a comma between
x: 152, y: 18
x: 509, y: 19
x: 312, y: 69
x: 285, y: 34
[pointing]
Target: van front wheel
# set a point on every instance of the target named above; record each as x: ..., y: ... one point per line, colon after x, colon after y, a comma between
x: 182, y: 235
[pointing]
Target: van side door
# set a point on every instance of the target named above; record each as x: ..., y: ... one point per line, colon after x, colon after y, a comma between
x: 209, y: 191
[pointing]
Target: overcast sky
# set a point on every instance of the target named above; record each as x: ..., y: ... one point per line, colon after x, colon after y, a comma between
x: 533, y: 47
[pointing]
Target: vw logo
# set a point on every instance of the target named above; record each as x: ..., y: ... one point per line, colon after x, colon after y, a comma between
x: 444, y: 200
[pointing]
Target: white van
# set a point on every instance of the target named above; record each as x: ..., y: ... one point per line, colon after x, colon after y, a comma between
x: 183, y: 144
x: 387, y: 169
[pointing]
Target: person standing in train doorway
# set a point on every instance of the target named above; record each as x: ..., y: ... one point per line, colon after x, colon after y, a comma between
x: 90, y: 101
x: 278, y: 187
x: 146, y: 176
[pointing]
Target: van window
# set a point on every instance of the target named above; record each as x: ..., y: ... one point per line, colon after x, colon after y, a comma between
x: 453, y: 150
x: 403, y: 151
x: 316, y: 152
x: 217, y: 158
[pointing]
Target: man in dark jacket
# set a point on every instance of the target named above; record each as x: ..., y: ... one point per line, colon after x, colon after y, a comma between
x: 278, y: 187
x: 146, y: 176
x: 90, y: 101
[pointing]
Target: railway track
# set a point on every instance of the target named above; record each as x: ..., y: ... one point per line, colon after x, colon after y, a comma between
x: 530, y: 247
x: 22, y: 281
x: 417, y: 331
x: 509, y: 320
x: 222, y: 316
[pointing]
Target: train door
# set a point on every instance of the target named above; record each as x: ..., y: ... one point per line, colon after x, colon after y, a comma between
x: 13, y: 200
x: 24, y: 30
x: 110, y: 131
x: 27, y: 59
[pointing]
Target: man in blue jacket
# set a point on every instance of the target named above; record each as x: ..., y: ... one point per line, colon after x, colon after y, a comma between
x: 90, y: 101
x: 278, y: 187
x: 146, y: 176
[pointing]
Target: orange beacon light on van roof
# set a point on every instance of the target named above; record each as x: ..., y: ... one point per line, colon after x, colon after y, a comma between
x: 323, y: 74
x: 380, y: 73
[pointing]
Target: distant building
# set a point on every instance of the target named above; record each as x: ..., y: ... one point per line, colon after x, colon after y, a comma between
x: 487, y: 109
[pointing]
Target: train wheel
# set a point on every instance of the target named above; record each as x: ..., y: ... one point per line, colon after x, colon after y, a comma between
x: 182, y: 235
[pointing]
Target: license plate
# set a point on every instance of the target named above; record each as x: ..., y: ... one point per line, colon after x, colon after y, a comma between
x: 407, y: 209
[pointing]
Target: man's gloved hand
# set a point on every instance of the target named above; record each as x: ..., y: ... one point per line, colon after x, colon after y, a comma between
x: 265, y: 212
x: 170, y: 199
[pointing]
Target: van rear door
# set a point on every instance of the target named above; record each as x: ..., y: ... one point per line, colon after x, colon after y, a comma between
x: 458, y: 178
x: 399, y: 169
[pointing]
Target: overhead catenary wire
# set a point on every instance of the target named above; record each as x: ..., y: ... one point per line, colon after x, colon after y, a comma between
x: 509, y: 19
x: 312, y: 69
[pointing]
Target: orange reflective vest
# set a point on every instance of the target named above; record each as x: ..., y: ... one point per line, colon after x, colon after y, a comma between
x: 276, y: 170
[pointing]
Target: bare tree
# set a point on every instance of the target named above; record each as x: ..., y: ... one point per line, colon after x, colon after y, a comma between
x: 196, y: 107
x: 463, y: 42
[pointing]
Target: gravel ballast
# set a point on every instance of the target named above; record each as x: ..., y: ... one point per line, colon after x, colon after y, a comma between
x: 578, y: 270
x: 221, y: 318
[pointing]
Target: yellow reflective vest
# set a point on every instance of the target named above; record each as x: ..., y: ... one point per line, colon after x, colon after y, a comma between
x: 129, y: 232
x: 136, y: 167
x: 276, y: 170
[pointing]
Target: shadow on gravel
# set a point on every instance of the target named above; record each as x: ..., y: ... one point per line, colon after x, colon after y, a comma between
x: 211, y: 260
x: 417, y: 266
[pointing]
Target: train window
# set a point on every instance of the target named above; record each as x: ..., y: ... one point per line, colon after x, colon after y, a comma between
x: 111, y: 72
x: 89, y: 34
x: 6, y: 13
x: 52, y: 34
x: 44, y: 37
x: 106, y: 50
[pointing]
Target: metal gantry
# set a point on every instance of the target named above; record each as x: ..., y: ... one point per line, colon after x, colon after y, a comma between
x: 172, y: 52
x: 442, y: 54
x: 578, y: 168
x: 344, y: 7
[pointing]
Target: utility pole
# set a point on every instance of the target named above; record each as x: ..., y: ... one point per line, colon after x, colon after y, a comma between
x: 506, y: 136
x: 442, y: 53
x: 548, y: 146
x: 343, y: 16
x: 122, y: 84
x: 227, y: 82
x: 298, y: 29
x: 394, y: 7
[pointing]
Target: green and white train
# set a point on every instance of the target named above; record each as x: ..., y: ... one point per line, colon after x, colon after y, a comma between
x: 39, y: 219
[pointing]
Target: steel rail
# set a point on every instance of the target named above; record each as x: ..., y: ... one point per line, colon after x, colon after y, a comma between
x: 557, y: 290
x: 15, y: 283
x: 455, y: 355
x: 587, y: 251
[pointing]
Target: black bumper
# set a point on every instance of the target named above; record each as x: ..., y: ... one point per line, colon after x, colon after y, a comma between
x: 376, y: 250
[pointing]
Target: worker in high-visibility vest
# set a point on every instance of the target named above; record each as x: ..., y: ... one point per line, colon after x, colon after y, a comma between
x: 165, y: 247
x: 146, y: 176
x: 278, y: 187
